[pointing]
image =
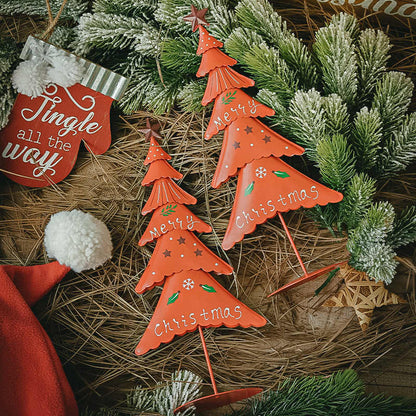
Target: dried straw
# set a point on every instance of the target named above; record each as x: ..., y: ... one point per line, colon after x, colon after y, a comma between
x: 95, y: 318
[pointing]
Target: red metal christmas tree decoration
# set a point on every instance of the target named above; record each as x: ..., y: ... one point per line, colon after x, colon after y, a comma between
x: 191, y: 298
x: 266, y: 185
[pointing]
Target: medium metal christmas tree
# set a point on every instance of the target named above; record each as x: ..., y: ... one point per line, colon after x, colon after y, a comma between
x: 266, y: 185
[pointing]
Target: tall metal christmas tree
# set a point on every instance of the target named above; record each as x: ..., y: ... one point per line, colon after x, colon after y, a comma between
x: 191, y: 298
x: 266, y: 185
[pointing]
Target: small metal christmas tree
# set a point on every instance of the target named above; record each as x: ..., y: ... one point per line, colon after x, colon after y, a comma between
x: 191, y: 298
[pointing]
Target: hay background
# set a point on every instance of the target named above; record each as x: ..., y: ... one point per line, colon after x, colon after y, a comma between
x: 95, y: 319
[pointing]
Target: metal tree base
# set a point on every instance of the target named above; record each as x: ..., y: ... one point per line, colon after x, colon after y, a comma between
x: 220, y: 399
x: 306, y: 276
x: 217, y: 399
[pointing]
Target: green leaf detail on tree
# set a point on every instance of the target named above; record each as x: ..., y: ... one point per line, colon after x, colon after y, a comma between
x: 173, y: 298
x: 169, y: 209
x: 281, y: 174
x: 249, y: 189
x: 228, y: 97
x: 208, y: 288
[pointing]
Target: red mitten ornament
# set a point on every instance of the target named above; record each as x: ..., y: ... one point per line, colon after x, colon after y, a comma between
x: 191, y: 298
x: 62, y: 101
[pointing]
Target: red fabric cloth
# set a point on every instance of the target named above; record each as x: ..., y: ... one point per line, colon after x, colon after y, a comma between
x: 32, y: 380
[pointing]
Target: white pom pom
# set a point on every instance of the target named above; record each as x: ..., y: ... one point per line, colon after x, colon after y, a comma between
x: 65, y: 70
x: 30, y: 78
x: 77, y: 240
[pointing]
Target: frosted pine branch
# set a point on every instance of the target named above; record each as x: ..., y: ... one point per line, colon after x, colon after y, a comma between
x: 368, y: 244
x: 392, y: 99
x: 306, y: 120
x: 366, y: 138
x: 335, y: 52
x: 336, y: 161
x: 372, y: 54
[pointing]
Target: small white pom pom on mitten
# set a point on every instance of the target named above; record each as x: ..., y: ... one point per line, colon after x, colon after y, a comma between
x: 65, y: 70
x: 78, y: 240
x: 30, y: 77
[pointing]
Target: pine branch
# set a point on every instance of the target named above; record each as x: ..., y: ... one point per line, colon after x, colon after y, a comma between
x: 336, y: 115
x: 336, y: 161
x: 369, y: 246
x: 400, y: 149
x: 190, y: 96
x: 341, y: 394
x: 299, y: 61
x: 270, y: 70
x: 335, y: 52
x: 366, y: 138
x: 101, y: 30
x: 183, y: 387
x: 404, y: 228
x: 63, y: 37
x: 306, y: 120
x: 240, y: 42
x: 357, y: 200
x: 72, y: 10
x: 162, y: 97
x: 272, y: 100
x: 141, y: 399
x: 372, y: 56
x: 222, y: 17
x: 179, y: 55
x: 379, y: 405
x: 170, y: 14
x: 148, y: 42
x: 100, y: 412
x: 8, y: 61
x: 140, y: 83
x: 326, y: 217
x: 261, y: 18
x: 392, y: 99
x: 129, y: 8
x: 346, y: 23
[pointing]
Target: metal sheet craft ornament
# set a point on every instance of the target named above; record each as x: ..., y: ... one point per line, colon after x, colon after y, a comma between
x: 191, y: 298
x: 248, y: 139
x: 170, y: 217
x: 176, y: 251
x: 266, y: 185
x: 231, y: 105
x: 40, y: 144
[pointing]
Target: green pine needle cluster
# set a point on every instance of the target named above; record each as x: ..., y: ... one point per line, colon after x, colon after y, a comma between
x: 8, y: 61
x: 341, y: 394
x: 73, y: 9
x: 183, y: 387
x: 163, y: 399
